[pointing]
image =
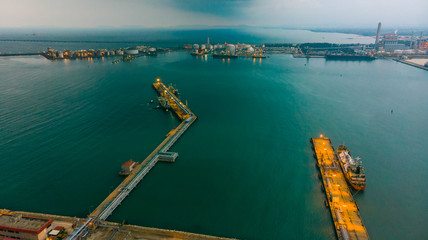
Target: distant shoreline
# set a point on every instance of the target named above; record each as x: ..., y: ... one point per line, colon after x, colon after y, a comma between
x: 369, y: 32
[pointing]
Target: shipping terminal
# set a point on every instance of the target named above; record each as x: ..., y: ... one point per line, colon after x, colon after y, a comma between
x: 344, y: 210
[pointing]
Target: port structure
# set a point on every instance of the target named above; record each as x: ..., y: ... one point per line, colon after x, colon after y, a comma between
x: 106, y: 208
x: 344, y: 210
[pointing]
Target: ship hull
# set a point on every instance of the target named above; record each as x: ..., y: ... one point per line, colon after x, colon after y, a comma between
x: 348, y: 179
x: 224, y: 56
x: 358, y: 187
x: 350, y: 57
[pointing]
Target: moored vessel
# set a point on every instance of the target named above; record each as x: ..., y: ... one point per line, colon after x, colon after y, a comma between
x: 349, y: 57
x: 352, y: 168
x: 216, y: 55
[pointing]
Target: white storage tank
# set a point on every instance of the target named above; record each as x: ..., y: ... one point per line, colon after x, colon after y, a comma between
x: 249, y: 49
x: 131, y: 51
x: 230, y: 48
x: 195, y: 46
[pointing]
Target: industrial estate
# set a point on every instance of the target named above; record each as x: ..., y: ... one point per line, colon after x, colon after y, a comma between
x: 411, y: 50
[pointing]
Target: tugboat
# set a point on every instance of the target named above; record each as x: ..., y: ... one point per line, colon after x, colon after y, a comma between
x: 352, y: 168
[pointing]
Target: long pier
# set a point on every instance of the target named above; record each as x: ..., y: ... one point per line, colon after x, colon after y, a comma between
x: 18, y: 54
x: 344, y: 211
x: 106, y: 208
x: 411, y: 64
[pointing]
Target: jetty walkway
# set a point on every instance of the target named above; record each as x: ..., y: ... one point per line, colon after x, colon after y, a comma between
x: 106, y: 208
x: 344, y: 211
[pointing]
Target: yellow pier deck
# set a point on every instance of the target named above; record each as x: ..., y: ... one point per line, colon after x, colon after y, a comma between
x: 344, y: 211
x: 180, y: 109
x: 161, y: 88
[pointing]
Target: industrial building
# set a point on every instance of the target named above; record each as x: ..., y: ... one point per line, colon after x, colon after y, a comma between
x: 128, y: 166
x: 390, y: 43
x: 16, y: 226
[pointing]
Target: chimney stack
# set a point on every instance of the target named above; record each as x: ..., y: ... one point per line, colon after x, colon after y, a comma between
x: 378, y: 36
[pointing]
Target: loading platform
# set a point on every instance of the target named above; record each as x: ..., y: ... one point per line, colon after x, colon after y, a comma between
x: 344, y: 211
x: 182, y: 111
x: 106, y: 208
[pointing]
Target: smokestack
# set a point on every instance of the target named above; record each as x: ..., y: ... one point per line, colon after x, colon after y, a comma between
x: 208, y: 41
x: 378, y: 35
x: 411, y: 40
x: 420, y: 41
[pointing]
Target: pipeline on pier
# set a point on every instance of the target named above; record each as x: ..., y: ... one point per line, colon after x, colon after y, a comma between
x: 106, y: 208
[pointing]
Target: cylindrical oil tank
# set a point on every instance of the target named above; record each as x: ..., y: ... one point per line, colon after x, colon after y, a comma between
x: 131, y: 51
x: 230, y: 48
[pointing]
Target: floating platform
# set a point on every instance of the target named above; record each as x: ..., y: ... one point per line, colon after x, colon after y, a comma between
x: 344, y: 211
x: 167, y: 156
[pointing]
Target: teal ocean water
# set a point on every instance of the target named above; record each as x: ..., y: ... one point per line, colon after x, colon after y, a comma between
x: 246, y: 168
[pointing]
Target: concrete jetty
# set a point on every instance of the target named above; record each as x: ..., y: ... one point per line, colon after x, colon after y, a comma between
x: 413, y: 62
x: 344, y: 211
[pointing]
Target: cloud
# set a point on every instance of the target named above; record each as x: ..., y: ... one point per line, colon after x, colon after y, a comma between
x: 223, y: 8
x: 160, y: 13
x: 83, y: 13
x: 337, y: 13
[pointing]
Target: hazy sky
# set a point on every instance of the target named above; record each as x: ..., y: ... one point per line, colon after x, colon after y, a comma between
x: 161, y: 13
